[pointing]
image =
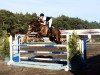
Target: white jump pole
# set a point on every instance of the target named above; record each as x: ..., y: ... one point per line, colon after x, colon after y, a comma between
x: 67, y: 68
x: 11, y: 52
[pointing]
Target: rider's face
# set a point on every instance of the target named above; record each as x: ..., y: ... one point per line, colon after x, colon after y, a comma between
x: 41, y: 17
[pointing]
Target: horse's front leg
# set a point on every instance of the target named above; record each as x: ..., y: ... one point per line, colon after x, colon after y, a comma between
x: 38, y: 36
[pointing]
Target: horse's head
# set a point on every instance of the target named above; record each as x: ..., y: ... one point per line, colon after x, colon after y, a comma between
x: 33, y: 26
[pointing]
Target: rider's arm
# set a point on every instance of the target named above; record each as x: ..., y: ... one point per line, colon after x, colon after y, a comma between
x: 44, y: 20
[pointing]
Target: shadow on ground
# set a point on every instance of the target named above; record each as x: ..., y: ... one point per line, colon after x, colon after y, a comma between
x: 93, y: 67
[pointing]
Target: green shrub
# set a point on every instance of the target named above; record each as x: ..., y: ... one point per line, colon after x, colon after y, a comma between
x: 4, y: 52
x: 74, y: 53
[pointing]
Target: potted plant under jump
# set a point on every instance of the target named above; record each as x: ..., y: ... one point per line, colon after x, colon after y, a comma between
x: 75, y: 58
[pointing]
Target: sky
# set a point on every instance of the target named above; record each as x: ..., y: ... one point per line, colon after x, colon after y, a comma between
x: 84, y: 9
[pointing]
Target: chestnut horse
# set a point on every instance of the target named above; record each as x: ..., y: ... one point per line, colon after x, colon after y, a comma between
x: 43, y: 31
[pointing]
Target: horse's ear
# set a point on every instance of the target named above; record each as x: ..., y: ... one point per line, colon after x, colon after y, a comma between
x: 30, y: 22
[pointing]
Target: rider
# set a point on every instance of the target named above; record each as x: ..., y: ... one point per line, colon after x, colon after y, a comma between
x: 46, y: 20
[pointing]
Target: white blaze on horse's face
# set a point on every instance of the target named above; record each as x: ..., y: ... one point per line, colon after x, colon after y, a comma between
x: 29, y: 26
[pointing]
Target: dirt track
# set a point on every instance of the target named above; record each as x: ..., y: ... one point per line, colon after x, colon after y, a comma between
x: 12, y: 70
x: 93, y: 53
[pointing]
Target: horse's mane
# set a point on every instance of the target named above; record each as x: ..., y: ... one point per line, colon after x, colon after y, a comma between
x: 33, y: 21
x: 30, y: 22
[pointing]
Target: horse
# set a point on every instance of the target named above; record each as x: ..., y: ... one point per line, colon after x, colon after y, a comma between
x: 43, y: 31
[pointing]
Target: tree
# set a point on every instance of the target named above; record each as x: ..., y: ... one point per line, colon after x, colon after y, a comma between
x: 75, y: 57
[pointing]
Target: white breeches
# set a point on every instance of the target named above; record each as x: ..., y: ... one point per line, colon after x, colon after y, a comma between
x: 50, y: 22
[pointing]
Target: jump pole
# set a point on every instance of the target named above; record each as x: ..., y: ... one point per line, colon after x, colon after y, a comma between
x: 11, y: 52
x: 67, y: 66
x: 16, y: 55
x: 84, y: 53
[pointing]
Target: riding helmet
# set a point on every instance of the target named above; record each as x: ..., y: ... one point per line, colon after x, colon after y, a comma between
x: 41, y: 14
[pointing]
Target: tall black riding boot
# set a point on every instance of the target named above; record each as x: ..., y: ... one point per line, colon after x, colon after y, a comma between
x: 50, y: 30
